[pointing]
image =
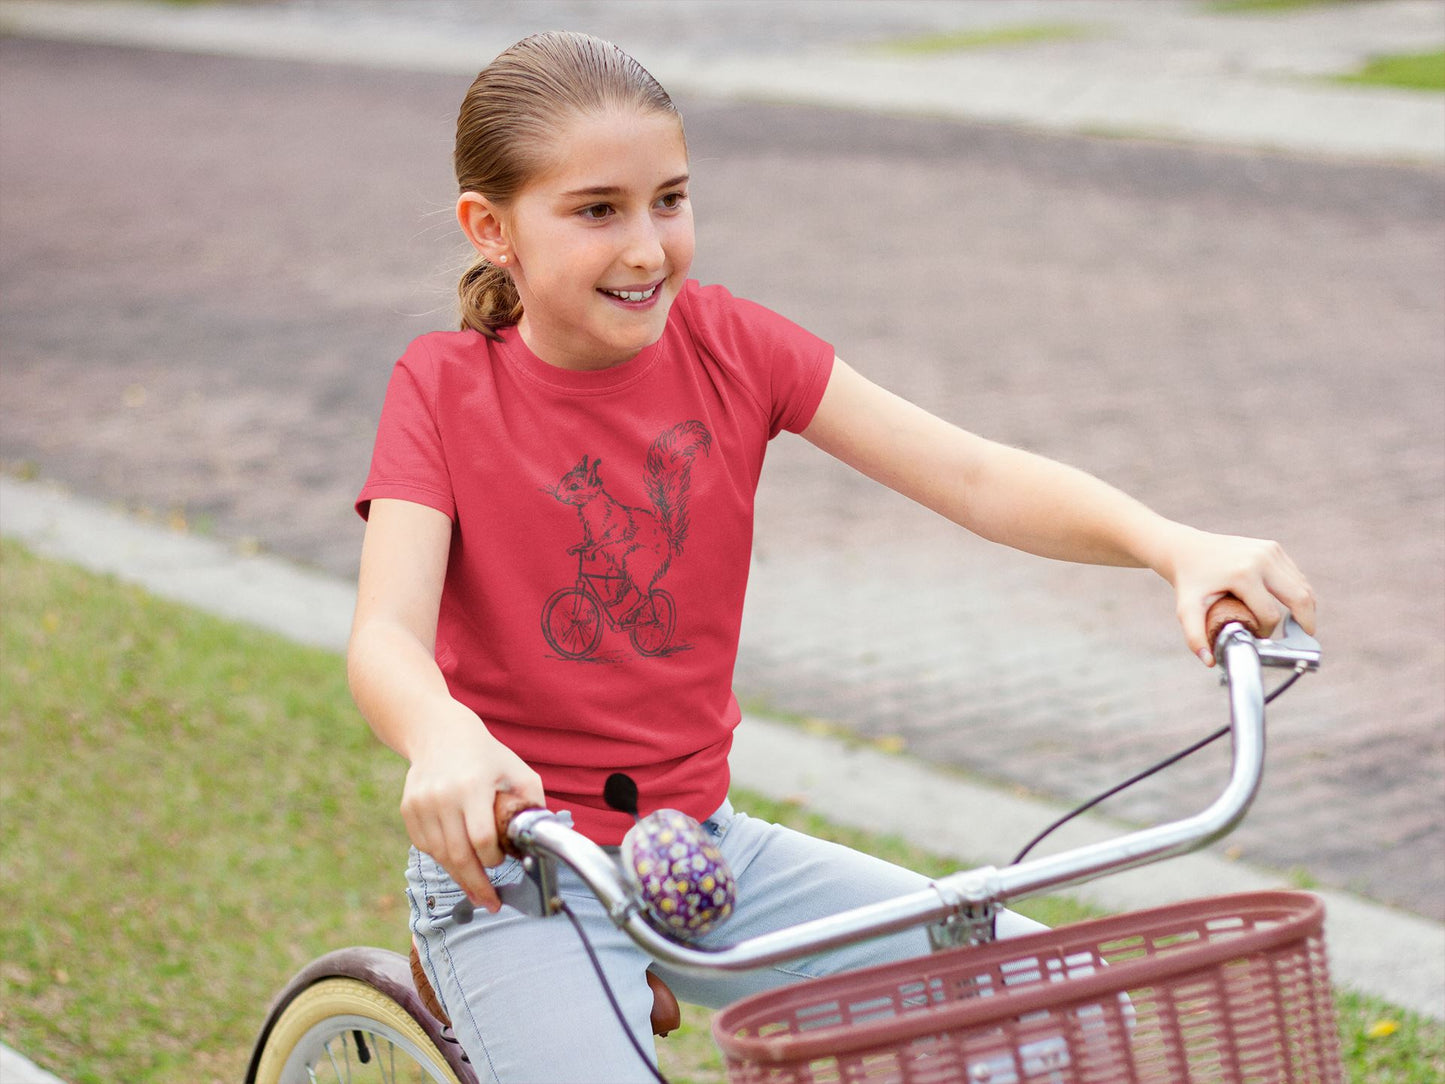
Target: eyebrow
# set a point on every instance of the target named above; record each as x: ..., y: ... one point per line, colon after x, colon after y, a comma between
x: 605, y: 190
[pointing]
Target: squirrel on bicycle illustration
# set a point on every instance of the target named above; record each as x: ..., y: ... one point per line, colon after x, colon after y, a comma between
x: 631, y: 549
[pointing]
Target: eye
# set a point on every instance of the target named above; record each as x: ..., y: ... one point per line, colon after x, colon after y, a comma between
x: 597, y: 212
x: 673, y: 201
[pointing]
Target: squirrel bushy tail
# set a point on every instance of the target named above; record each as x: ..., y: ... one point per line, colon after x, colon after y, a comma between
x: 667, y: 472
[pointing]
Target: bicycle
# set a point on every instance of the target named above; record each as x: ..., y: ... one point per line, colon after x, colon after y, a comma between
x: 573, y: 617
x: 1232, y: 988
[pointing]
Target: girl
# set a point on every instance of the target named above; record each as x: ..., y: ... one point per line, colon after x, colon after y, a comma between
x: 600, y: 419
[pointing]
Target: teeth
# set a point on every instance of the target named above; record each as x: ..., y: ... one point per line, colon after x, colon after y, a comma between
x: 632, y: 295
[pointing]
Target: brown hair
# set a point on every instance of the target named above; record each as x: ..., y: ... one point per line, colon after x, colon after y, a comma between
x: 505, y: 130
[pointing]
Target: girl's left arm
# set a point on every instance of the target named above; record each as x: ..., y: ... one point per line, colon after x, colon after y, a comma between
x: 1044, y: 507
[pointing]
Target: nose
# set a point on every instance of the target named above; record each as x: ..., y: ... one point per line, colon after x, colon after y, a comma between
x: 644, y: 248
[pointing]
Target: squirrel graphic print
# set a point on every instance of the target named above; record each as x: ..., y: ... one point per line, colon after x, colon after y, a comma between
x: 630, y: 549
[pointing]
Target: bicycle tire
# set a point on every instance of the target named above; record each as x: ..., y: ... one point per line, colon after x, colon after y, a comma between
x: 346, y: 1028
x: 577, y: 629
x: 654, y: 637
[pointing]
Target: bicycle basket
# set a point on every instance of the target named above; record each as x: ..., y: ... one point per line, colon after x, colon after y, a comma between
x: 1234, y: 988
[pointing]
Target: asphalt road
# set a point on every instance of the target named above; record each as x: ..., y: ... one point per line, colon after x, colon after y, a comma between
x: 208, y: 266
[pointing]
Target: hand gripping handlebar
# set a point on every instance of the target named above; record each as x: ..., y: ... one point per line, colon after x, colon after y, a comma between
x: 958, y: 908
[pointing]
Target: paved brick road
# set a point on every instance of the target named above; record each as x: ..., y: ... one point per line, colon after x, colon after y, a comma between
x: 208, y: 266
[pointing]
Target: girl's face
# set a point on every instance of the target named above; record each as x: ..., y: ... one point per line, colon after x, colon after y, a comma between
x: 600, y: 243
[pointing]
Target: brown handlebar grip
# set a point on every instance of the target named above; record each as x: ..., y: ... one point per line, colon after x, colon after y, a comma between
x: 507, y: 806
x: 1226, y: 610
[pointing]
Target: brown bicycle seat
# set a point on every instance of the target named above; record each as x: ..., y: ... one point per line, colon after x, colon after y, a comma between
x: 666, y: 1013
x: 424, y: 989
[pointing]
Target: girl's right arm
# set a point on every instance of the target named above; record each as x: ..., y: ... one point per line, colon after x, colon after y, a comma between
x: 457, y: 767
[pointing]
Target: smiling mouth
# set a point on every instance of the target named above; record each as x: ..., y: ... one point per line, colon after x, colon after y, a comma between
x: 633, y: 295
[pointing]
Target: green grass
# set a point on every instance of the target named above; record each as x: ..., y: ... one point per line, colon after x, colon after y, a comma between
x: 193, y: 809
x: 1409, y: 71
x: 1412, y: 71
x: 998, y: 37
x: 1383, y: 1045
x: 1265, y: 7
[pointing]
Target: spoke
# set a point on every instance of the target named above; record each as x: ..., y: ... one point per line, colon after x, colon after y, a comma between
x: 388, y: 1060
x: 346, y: 1060
x: 576, y: 630
x: 377, y: 1061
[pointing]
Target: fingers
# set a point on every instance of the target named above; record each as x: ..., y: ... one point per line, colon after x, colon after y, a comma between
x: 1191, y: 617
x: 1258, y: 573
x: 1291, y: 588
x: 445, y: 838
x: 1268, y: 613
x: 471, y: 846
x: 460, y: 835
x: 1277, y: 587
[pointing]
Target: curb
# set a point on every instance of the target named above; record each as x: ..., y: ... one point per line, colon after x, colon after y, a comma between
x: 18, y: 1069
x: 1093, y: 92
x: 1374, y: 949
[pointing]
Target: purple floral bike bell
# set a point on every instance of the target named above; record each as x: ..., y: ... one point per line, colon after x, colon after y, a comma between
x: 682, y: 876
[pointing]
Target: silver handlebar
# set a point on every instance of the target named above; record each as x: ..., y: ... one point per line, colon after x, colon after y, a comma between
x: 960, y: 907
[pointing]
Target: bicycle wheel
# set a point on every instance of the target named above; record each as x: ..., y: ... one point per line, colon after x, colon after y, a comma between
x: 652, y: 637
x: 572, y: 622
x: 344, y: 1030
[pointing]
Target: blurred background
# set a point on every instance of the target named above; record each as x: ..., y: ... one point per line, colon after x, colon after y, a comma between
x: 1195, y: 248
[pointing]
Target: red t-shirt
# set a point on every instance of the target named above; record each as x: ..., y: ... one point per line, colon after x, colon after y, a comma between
x: 643, y: 475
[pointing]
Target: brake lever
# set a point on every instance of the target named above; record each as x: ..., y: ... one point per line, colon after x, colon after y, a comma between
x: 1294, y: 650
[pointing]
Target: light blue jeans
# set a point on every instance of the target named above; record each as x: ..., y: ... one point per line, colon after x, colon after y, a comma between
x: 524, y: 1000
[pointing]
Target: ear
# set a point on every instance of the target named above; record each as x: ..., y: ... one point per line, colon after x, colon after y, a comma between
x: 482, y: 222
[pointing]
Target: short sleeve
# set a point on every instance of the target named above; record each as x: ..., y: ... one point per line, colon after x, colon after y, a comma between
x: 801, y: 365
x: 785, y: 366
x: 408, y: 461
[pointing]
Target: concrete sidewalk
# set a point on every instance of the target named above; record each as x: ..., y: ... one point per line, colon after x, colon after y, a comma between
x: 1378, y: 950
x: 1165, y: 69
x: 15, y: 1068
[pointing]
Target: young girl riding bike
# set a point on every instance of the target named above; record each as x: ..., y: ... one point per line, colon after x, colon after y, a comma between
x: 598, y: 404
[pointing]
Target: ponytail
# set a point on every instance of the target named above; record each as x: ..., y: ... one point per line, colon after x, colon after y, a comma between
x: 488, y: 299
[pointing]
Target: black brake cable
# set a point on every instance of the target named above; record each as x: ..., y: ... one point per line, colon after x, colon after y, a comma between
x: 1145, y: 774
x: 612, y: 997
x: 1090, y: 804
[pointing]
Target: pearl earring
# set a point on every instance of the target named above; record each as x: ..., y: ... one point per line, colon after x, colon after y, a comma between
x: 502, y: 259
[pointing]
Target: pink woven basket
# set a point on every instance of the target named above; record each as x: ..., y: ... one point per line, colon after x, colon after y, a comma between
x: 1234, y: 988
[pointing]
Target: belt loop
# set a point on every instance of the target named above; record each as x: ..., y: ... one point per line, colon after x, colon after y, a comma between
x: 718, y: 823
